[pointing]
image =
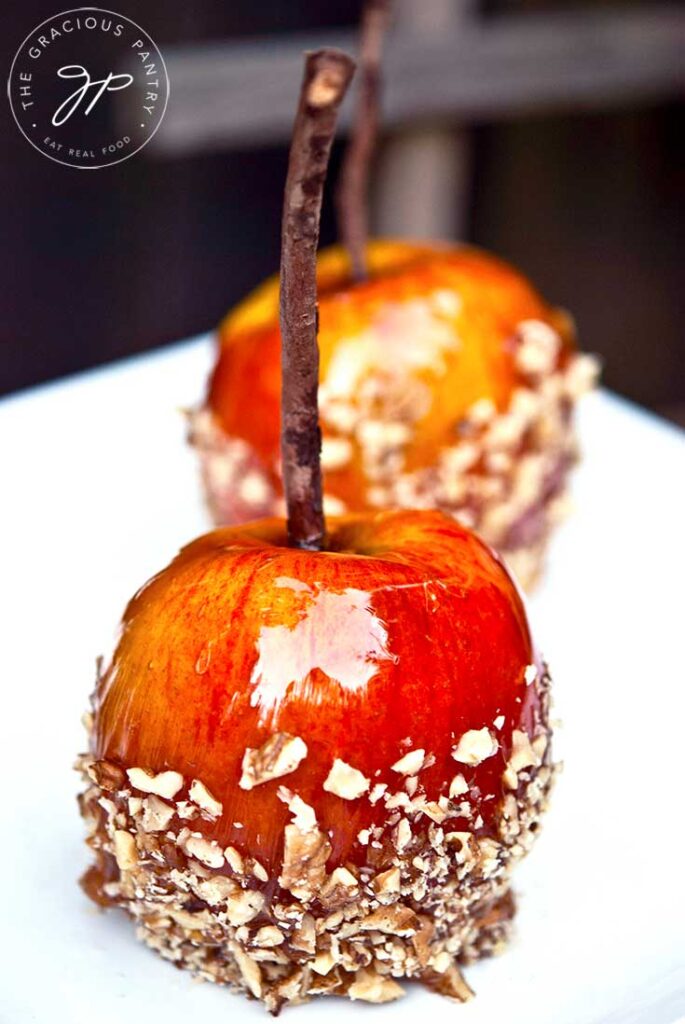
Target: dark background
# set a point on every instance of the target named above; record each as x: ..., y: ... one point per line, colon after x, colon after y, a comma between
x: 98, y: 265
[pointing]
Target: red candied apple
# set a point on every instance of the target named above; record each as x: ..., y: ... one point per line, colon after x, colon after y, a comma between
x: 447, y: 381
x: 319, y: 748
x: 285, y: 736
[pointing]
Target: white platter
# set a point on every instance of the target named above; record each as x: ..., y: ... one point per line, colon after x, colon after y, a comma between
x: 99, y: 492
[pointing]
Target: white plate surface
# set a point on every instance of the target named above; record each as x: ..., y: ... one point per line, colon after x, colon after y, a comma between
x: 99, y: 492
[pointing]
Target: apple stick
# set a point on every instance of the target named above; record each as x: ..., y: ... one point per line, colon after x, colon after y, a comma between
x: 352, y: 197
x: 327, y: 75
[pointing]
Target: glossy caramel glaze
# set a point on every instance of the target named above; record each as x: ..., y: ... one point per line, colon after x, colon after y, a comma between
x: 406, y: 633
x: 433, y: 324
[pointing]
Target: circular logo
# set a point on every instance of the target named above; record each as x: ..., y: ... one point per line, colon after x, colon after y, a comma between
x: 88, y: 88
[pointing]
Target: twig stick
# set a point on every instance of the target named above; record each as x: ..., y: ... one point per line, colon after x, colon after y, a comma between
x: 327, y: 75
x: 352, y: 195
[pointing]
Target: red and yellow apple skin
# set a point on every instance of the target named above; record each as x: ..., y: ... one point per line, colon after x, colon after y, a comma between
x: 406, y: 633
x: 396, y: 669
x: 441, y: 376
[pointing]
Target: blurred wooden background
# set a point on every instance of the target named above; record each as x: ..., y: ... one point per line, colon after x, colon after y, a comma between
x: 549, y: 132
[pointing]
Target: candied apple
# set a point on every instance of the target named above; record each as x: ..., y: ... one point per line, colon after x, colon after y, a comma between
x: 288, y: 739
x: 446, y: 382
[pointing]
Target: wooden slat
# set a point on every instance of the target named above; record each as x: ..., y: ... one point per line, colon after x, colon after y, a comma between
x: 243, y: 92
x: 421, y: 184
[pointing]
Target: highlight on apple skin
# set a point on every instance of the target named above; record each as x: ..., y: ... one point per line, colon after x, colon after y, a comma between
x: 446, y: 382
x: 313, y: 772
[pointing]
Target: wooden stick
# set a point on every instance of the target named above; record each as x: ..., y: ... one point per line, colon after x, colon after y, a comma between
x: 352, y: 195
x: 327, y: 75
